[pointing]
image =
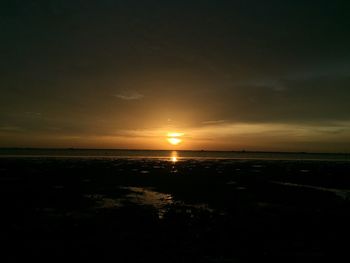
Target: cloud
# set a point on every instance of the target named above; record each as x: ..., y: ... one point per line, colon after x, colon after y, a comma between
x: 11, y: 129
x: 33, y: 115
x: 129, y: 95
x: 213, y: 122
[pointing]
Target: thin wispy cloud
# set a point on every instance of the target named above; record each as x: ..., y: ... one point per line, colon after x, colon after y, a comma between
x: 31, y: 113
x: 129, y: 95
x: 214, y: 122
x: 10, y: 128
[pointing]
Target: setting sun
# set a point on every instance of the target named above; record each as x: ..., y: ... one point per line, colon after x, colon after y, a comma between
x: 173, y: 138
x: 174, y: 141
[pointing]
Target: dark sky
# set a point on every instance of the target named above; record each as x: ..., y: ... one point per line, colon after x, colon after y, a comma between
x: 256, y: 75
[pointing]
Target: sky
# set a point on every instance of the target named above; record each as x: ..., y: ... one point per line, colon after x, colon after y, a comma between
x: 228, y: 75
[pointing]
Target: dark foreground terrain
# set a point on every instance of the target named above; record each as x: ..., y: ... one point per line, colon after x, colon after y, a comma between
x: 154, y: 210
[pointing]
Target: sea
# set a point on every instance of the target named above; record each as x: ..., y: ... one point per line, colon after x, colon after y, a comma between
x: 164, y: 154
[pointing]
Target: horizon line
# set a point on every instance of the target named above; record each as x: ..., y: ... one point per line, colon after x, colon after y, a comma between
x: 133, y: 149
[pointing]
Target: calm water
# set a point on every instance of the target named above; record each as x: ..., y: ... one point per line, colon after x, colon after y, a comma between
x: 170, y: 154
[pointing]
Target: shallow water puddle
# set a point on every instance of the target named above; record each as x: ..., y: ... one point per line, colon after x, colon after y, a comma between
x: 342, y: 193
x: 105, y: 202
x: 144, y: 197
x: 135, y: 195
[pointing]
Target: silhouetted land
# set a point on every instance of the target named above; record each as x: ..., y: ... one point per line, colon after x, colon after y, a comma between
x: 193, y: 210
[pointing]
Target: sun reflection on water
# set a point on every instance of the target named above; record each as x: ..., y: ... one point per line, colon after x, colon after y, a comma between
x: 174, y: 157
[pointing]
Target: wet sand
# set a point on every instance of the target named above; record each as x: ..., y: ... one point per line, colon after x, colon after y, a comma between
x: 160, y: 210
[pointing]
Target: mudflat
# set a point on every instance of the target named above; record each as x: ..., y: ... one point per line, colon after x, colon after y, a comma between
x: 170, y: 210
